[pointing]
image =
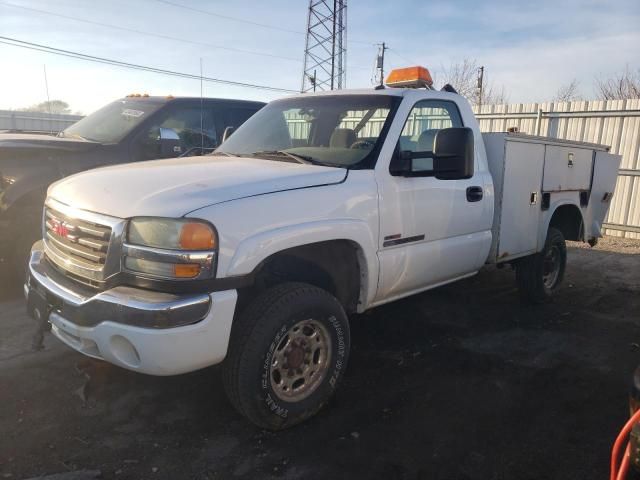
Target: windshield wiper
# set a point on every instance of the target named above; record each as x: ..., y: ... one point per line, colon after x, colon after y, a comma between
x: 228, y: 154
x: 298, y: 158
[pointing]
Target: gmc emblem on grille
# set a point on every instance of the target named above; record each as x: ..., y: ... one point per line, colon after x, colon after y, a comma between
x: 60, y: 228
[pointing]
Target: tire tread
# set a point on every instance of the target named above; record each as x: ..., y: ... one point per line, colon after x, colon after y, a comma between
x: 246, y: 326
x: 529, y: 271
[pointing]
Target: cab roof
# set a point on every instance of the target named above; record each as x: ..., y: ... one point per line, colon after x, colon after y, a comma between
x: 396, y: 92
x: 390, y: 92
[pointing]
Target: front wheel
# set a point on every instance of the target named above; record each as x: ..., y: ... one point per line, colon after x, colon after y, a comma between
x: 539, y: 275
x: 287, y: 353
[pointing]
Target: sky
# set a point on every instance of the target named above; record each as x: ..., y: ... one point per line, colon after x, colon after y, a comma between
x: 530, y: 48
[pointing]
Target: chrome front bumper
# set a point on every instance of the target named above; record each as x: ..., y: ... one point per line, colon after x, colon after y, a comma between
x: 127, y: 305
x: 145, y: 331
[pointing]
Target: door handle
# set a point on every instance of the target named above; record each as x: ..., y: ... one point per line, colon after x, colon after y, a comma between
x: 474, y: 194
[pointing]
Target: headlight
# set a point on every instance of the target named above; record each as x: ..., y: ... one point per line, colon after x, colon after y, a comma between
x: 171, y: 249
x: 172, y: 234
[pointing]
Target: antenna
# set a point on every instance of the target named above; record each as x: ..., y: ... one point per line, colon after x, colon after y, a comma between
x: 201, y: 111
x: 46, y: 86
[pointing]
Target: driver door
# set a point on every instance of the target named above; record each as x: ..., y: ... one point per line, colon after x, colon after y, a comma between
x: 432, y: 230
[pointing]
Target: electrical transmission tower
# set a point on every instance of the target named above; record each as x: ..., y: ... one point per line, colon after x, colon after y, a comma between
x: 325, y: 51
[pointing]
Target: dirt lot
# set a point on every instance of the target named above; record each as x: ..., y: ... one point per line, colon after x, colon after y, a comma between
x: 460, y: 383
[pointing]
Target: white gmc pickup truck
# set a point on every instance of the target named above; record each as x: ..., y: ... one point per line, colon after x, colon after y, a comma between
x: 319, y: 206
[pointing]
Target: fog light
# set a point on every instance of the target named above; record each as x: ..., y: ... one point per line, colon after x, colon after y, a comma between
x: 124, y: 351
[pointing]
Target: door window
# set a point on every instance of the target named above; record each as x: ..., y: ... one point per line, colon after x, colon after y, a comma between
x: 193, y: 126
x: 426, y: 118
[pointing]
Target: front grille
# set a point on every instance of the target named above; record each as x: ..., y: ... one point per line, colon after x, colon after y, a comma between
x: 77, y: 246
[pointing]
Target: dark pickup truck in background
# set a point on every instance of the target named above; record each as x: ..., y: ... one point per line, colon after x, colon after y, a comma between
x: 135, y: 128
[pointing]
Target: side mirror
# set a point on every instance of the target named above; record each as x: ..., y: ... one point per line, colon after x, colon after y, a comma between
x: 453, y: 157
x: 227, y: 133
x: 169, y: 143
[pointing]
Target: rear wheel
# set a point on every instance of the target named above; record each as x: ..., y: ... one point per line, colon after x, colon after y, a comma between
x: 538, y: 276
x: 287, y: 353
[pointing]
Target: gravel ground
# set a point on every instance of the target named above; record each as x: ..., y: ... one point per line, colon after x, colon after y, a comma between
x: 462, y: 382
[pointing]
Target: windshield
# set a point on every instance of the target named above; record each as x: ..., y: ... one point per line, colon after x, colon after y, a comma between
x: 340, y: 130
x: 113, y: 122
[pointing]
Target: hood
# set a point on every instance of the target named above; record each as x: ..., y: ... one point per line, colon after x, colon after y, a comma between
x: 37, y: 142
x: 29, y: 161
x: 177, y: 186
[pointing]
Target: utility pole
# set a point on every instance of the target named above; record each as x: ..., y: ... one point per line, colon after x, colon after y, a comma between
x: 46, y: 86
x: 380, y: 64
x: 325, y: 50
x: 201, y: 110
x: 480, y: 86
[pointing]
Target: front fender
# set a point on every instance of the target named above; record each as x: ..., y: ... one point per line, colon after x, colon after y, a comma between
x: 252, y: 251
x: 25, y: 185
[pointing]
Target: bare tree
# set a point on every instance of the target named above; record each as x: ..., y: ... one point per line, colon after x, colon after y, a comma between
x: 493, y: 95
x: 54, y: 106
x: 621, y: 86
x: 463, y: 76
x: 568, y: 92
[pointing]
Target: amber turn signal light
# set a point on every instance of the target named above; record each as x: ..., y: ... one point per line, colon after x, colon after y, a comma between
x: 186, y: 270
x: 197, y: 236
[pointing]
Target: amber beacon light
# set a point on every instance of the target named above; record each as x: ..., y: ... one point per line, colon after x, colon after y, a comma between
x: 410, y: 77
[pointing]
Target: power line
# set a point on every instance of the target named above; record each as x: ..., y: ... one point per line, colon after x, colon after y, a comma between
x: 244, y: 20
x: 159, y: 35
x: 402, y: 57
x: 251, y: 22
x: 183, y: 40
x: 141, y: 32
x: 92, y: 58
x: 227, y: 17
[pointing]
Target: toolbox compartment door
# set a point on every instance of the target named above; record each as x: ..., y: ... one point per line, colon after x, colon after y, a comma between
x: 521, y: 197
x: 605, y: 174
x: 567, y: 168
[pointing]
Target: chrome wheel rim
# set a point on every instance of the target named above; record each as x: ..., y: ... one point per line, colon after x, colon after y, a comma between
x: 551, y: 267
x: 300, y: 361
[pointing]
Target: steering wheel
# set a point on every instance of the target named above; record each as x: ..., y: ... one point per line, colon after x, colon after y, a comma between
x: 362, y: 144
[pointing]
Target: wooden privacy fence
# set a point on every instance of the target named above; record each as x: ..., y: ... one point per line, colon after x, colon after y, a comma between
x: 614, y: 122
